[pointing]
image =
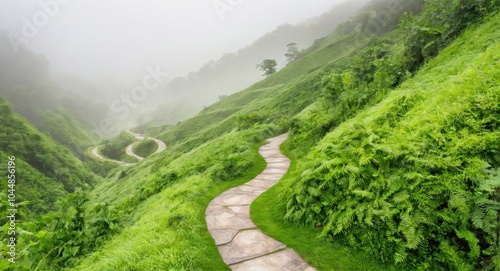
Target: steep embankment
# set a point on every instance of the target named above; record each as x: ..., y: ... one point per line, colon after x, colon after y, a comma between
x: 25, y: 82
x: 46, y: 171
x: 152, y: 215
x: 414, y: 179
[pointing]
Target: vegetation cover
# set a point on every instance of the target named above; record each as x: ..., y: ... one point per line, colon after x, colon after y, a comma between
x: 394, y: 139
x: 414, y: 179
x: 145, y: 148
x: 26, y: 83
x: 49, y: 170
x: 115, y: 148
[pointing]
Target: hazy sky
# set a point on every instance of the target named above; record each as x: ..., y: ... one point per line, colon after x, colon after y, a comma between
x: 122, y: 37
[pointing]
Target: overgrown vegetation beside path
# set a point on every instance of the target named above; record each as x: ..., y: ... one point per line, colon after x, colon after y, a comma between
x: 394, y: 139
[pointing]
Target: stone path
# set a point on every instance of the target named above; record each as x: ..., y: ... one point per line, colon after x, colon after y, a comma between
x: 95, y: 152
x: 129, y: 150
x: 242, y: 245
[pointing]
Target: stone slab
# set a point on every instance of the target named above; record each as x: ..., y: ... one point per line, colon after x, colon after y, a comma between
x: 229, y: 218
x: 241, y: 244
x: 222, y: 237
x: 287, y: 260
x: 248, y: 244
x: 232, y: 199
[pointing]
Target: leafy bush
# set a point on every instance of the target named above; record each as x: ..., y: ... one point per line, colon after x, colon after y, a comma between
x: 415, y: 179
x: 145, y: 148
x: 57, y: 240
x: 439, y: 24
x: 115, y: 148
x: 249, y: 120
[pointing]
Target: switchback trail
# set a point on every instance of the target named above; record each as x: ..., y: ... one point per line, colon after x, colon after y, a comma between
x: 242, y: 245
x: 95, y: 152
x: 129, y: 150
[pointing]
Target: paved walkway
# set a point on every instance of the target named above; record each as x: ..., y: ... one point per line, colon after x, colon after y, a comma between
x: 129, y: 150
x: 241, y: 244
x: 95, y: 152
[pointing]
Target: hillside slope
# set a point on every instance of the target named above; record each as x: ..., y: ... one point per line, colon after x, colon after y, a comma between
x: 233, y: 72
x: 25, y: 82
x: 394, y: 124
x: 414, y: 179
x: 167, y: 195
x: 47, y: 171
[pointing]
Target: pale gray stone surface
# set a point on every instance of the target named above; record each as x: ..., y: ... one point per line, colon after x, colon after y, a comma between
x: 129, y: 150
x: 248, y: 244
x: 241, y: 244
x: 287, y: 260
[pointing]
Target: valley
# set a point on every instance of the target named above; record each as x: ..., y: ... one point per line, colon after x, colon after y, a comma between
x: 376, y: 148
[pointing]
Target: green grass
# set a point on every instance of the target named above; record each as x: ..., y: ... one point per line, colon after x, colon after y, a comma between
x: 267, y: 212
x: 159, y: 204
x: 216, y: 190
x: 418, y: 163
x: 145, y: 148
x: 115, y: 148
x: 169, y: 226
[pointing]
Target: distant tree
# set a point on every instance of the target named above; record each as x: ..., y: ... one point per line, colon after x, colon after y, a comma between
x: 268, y: 66
x: 292, y: 53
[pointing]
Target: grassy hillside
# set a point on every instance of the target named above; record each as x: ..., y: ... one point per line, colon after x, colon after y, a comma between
x: 204, y: 153
x: 25, y: 82
x: 235, y: 71
x: 45, y: 174
x: 65, y: 129
x: 47, y: 171
x: 145, y: 148
x: 395, y: 150
x: 414, y: 179
x: 115, y: 147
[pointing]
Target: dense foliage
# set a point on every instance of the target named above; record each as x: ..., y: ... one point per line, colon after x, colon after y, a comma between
x: 25, y: 82
x: 403, y: 169
x: 115, y: 148
x: 414, y: 179
x: 57, y: 239
x: 439, y: 24
x: 145, y: 148
x: 49, y: 169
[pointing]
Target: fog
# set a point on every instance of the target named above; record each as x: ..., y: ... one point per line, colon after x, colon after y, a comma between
x: 121, y: 37
x: 103, y: 49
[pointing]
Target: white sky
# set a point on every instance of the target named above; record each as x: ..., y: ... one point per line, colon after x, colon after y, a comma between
x: 121, y: 37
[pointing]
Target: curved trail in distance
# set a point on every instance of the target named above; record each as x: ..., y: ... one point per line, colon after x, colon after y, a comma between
x: 242, y: 245
x: 129, y: 150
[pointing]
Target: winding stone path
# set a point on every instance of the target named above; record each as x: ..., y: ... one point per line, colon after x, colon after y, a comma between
x: 129, y: 150
x: 242, y: 245
x: 95, y: 152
